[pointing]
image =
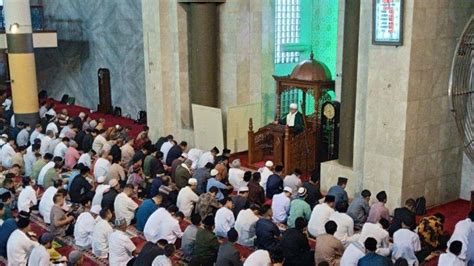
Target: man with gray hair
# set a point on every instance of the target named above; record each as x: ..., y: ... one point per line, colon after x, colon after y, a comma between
x: 121, y: 248
x: 236, y: 175
x: 183, y: 173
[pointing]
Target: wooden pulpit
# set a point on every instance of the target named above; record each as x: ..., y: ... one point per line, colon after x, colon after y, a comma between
x: 306, y: 86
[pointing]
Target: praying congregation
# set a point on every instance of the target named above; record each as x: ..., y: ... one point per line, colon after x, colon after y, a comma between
x: 237, y: 132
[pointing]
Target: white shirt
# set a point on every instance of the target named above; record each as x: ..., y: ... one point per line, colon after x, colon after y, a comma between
x: 224, y: 221
x: 53, y: 127
x: 60, y: 150
x: 245, y: 226
x: 39, y: 257
x: 405, y: 244
x: 318, y: 219
x: 7, y: 104
x: 258, y: 258
x: 264, y: 174
x: 120, y: 249
x: 53, y: 144
x: 43, y: 171
x: 6, y: 154
x: 345, y: 225
x: 127, y: 153
x: 194, y: 154
x: 161, y: 225
x: 100, y: 236
x: 42, y: 111
x: 165, y: 148
x: 186, y: 199
x: 36, y: 135
x: 124, y: 207
x: 236, y: 178
x: 462, y: 231
x: 83, y: 229
x: 99, y: 143
x: 101, y: 167
x: 27, y: 199
x: 290, y: 119
x: 45, y: 144
x: 99, y: 193
x: 205, y: 158
x: 450, y: 259
x: 51, y: 112
x: 161, y: 260
x: 280, y: 207
x: 29, y: 158
x: 85, y: 159
x: 19, y: 245
x: 352, y: 254
x: 377, y: 232
x: 46, y: 204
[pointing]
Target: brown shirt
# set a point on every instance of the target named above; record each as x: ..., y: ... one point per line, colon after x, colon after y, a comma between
x: 256, y: 193
x: 331, y: 251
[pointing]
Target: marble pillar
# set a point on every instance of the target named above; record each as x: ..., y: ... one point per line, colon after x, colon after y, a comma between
x: 405, y: 141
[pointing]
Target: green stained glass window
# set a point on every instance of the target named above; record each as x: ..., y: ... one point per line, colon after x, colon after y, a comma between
x: 287, y: 29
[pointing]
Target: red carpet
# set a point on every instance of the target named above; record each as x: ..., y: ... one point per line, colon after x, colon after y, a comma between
x: 454, y: 212
x: 110, y: 120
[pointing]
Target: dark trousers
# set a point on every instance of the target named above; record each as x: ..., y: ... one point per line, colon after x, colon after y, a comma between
x: 201, y: 261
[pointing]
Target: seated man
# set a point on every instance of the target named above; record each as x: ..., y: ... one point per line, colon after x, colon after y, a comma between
x: 164, y: 224
x: 406, y: 212
x: 320, y: 216
x: 406, y: 243
x: 268, y: 234
x: 372, y: 258
x: 332, y: 249
x: 293, y: 119
x: 452, y: 257
x: 295, y: 246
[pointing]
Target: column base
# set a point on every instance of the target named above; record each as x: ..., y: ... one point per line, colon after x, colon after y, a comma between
x: 32, y: 119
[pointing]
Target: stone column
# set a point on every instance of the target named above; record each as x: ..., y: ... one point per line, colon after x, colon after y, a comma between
x: 21, y: 59
x: 349, y: 81
x: 203, y: 30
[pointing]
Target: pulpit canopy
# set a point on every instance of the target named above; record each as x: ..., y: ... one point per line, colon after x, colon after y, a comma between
x: 311, y: 70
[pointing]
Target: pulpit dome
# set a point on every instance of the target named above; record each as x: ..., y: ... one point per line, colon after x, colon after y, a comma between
x: 311, y: 70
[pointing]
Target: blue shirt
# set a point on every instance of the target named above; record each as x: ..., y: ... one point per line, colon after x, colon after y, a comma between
x: 144, y: 212
x: 155, y: 187
x: 213, y: 182
x: 267, y: 233
x: 339, y: 193
x: 372, y: 259
x: 73, y: 174
x: 274, y: 185
x: 5, y: 231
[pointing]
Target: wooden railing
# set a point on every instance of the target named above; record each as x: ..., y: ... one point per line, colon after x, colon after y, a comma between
x: 293, y: 151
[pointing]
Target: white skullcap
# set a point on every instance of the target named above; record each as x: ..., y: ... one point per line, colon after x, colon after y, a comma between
x: 243, y: 189
x: 214, y: 172
x: 82, y: 115
x: 302, y: 191
x: 293, y: 106
x: 288, y: 189
x: 95, y: 209
x: 101, y: 179
x: 192, y: 181
x: 269, y: 164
